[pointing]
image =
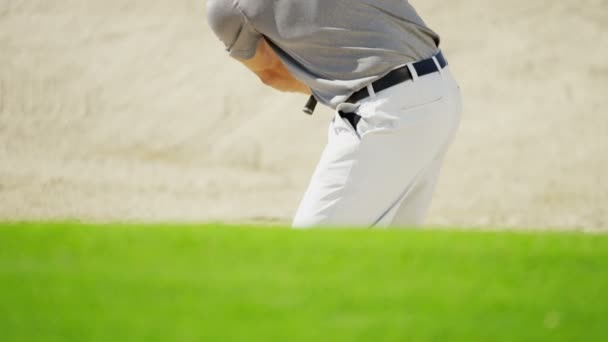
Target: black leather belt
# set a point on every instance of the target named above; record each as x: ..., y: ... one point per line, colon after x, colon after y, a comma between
x: 394, y: 77
x: 400, y: 75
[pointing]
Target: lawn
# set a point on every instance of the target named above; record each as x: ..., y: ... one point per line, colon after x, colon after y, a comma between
x: 110, y: 283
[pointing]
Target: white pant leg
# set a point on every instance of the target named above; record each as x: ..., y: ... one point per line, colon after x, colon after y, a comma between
x: 413, y: 206
x: 366, y: 176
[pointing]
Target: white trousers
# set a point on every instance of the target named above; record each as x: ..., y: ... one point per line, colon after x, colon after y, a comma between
x: 383, y: 172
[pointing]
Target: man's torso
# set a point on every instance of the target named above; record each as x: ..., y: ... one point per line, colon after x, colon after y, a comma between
x: 334, y: 46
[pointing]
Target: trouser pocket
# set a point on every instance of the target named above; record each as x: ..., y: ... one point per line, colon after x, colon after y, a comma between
x: 352, y: 118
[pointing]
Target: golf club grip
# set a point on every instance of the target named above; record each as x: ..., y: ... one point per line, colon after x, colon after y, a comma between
x: 310, y: 105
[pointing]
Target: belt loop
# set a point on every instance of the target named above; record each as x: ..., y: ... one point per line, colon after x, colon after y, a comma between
x: 371, y: 90
x: 410, y: 67
x: 437, y: 65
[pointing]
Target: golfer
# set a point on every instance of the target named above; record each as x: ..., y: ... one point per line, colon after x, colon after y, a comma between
x: 379, y: 66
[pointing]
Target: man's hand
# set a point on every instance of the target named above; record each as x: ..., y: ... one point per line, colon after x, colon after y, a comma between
x: 271, y: 71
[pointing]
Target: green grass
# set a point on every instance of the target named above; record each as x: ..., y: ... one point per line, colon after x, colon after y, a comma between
x: 73, y: 282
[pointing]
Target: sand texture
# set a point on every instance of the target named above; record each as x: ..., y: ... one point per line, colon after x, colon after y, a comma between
x: 114, y: 110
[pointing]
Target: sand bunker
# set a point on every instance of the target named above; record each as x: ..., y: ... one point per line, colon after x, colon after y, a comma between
x: 131, y: 110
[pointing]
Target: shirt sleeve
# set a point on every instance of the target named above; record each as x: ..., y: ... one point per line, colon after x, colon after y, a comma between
x: 232, y: 28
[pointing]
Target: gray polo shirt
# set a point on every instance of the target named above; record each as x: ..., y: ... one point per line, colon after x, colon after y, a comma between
x: 336, y: 47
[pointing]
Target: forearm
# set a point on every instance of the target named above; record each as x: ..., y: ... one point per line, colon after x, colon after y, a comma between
x: 284, y: 81
x: 272, y: 72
